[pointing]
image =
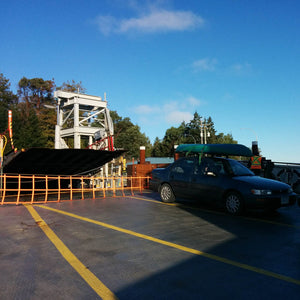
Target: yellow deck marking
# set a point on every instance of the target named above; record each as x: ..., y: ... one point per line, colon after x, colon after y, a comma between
x: 217, y: 212
x: 155, y: 201
x: 87, y: 275
x: 183, y: 248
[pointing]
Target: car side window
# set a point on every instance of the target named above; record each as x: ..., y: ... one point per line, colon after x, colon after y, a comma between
x: 206, y: 166
x: 184, y: 167
x: 209, y: 165
x: 178, y: 169
x: 219, y: 168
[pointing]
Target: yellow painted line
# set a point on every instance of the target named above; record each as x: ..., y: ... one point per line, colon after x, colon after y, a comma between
x: 179, y: 247
x: 86, y: 274
x: 155, y: 201
x: 217, y: 212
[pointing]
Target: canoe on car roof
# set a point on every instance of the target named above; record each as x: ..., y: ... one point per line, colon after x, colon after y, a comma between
x: 216, y: 149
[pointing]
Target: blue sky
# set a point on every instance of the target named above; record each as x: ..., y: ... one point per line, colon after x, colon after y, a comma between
x: 160, y: 61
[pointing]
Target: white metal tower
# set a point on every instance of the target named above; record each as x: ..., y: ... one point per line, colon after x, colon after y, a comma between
x: 75, y: 114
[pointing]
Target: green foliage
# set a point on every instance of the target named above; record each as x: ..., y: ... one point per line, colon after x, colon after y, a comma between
x: 35, y: 93
x: 72, y: 87
x: 3, y: 119
x: 26, y: 128
x: 47, y: 121
x: 157, y: 149
x: 128, y: 136
x: 7, y: 98
x: 173, y: 136
x: 7, y: 101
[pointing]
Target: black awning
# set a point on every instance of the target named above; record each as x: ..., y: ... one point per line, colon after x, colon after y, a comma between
x: 58, y: 161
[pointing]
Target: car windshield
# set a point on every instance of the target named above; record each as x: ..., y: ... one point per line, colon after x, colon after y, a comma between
x: 237, y: 169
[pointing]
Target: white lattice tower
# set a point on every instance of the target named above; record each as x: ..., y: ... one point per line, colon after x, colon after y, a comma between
x: 75, y: 115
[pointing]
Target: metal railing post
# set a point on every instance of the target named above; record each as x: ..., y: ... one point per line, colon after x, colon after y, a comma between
x: 33, y: 187
x: 93, y: 186
x: 113, y: 179
x: 58, y: 196
x: 82, y: 195
x: 19, y: 189
x: 122, y: 185
x: 46, y: 183
x: 103, y: 186
x: 3, y: 188
x: 71, y: 189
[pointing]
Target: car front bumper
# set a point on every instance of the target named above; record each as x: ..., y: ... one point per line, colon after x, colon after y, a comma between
x: 272, y: 202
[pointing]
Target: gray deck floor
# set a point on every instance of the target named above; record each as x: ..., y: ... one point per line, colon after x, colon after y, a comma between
x: 140, y: 248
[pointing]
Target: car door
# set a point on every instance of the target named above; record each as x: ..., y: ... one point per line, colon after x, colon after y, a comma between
x: 207, y: 181
x: 180, y: 176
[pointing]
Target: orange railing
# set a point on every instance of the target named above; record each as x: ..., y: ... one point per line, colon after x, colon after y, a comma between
x: 19, y: 189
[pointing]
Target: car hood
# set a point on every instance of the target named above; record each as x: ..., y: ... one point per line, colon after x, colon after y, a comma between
x: 262, y: 183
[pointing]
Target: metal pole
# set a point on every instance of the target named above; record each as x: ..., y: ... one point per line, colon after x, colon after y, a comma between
x: 201, y: 131
x: 205, y: 133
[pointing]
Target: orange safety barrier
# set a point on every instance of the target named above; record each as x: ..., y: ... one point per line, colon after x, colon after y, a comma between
x: 20, y: 189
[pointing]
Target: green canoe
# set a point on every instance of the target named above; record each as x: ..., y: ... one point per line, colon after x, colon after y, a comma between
x: 218, y: 149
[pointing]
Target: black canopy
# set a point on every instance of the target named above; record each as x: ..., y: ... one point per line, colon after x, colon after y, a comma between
x: 57, y: 161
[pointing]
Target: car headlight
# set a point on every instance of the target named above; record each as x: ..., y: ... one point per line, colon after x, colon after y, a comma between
x: 261, y: 192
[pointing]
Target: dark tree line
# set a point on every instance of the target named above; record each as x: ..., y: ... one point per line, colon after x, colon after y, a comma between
x: 34, y: 122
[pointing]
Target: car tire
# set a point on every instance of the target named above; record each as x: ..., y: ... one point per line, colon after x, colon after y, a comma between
x: 234, y: 203
x: 166, y: 193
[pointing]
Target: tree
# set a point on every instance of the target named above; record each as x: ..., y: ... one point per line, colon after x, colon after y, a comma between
x: 7, y: 98
x: 157, y: 149
x: 128, y: 136
x: 225, y: 139
x: 35, y: 93
x: 7, y: 101
x: 47, y: 121
x: 173, y: 136
x: 72, y: 87
x: 190, y: 133
x: 201, y: 126
x: 26, y: 128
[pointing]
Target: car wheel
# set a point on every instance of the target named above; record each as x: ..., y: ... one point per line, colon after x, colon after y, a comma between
x: 233, y: 203
x: 166, y: 193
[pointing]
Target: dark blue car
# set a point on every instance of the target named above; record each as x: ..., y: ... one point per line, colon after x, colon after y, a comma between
x: 220, y: 181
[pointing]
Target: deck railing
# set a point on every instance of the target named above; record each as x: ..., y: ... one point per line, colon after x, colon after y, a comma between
x: 19, y: 189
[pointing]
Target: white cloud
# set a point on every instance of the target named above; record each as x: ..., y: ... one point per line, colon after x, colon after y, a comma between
x: 158, y: 117
x: 176, y: 117
x: 205, y: 64
x: 155, y: 21
x: 106, y: 24
x: 192, y: 101
x: 210, y: 65
x: 241, y: 68
x: 146, y: 109
x: 170, y: 106
x: 172, y: 112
